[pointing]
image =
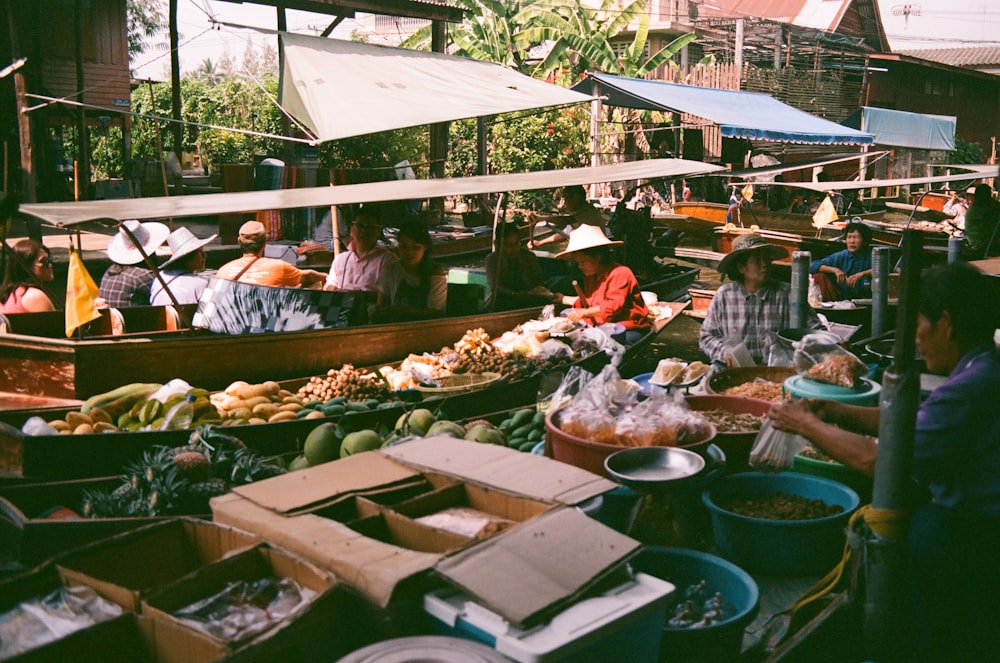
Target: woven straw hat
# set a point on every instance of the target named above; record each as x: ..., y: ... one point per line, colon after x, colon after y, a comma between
x: 150, y: 236
x: 183, y: 242
x: 586, y: 237
x: 747, y: 243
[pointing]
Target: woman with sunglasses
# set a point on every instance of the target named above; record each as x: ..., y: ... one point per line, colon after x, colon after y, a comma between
x: 29, y: 266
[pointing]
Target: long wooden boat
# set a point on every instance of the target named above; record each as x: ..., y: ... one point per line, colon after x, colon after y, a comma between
x: 44, y: 362
x: 66, y: 457
x: 783, y: 221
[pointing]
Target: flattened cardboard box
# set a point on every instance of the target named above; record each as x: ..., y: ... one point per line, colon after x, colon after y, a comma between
x: 281, y: 510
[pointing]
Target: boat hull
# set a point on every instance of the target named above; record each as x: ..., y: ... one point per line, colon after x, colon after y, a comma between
x: 782, y: 221
x: 78, y: 369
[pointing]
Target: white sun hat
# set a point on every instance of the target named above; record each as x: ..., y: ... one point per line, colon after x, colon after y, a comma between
x: 150, y: 236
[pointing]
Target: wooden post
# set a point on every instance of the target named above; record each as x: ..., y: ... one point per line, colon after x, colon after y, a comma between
x: 83, y: 136
x: 175, y: 84
x: 288, y: 148
x: 159, y: 141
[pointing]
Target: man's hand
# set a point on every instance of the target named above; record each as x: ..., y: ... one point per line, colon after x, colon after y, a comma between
x: 855, y: 279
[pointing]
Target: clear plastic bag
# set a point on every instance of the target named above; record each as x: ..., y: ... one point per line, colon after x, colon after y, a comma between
x: 39, y: 621
x: 818, y: 356
x: 246, y: 608
x: 775, y: 450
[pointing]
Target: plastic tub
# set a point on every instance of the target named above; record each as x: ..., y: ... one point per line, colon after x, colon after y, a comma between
x: 831, y: 469
x: 585, y: 454
x: 779, y: 547
x: 722, y: 641
x: 867, y: 393
x: 735, y: 445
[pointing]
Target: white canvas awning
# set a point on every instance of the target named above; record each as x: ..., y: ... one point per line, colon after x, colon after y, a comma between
x: 67, y: 214
x: 342, y: 88
x: 972, y: 172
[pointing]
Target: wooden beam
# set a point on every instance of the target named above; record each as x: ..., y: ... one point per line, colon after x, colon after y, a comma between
x: 406, y: 8
x: 177, y: 128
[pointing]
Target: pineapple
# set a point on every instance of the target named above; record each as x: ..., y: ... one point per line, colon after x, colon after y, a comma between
x: 193, y: 465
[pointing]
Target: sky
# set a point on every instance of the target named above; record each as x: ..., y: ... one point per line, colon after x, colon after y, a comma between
x: 931, y: 24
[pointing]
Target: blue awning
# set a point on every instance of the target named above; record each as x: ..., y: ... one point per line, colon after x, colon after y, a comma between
x: 748, y: 115
x: 896, y: 128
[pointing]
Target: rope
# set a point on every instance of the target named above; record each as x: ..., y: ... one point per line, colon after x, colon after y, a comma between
x: 886, y: 523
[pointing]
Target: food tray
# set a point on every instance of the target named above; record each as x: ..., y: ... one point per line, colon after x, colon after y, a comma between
x: 459, y: 383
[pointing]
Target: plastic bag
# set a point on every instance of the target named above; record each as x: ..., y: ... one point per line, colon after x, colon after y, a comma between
x: 818, y: 357
x: 775, y: 450
x: 246, y: 608
x: 39, y: 621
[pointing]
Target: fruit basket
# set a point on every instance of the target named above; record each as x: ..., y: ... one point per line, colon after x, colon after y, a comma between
x: 459, y: 383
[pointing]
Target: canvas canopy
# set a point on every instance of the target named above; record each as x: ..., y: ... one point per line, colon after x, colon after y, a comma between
x: 970, y: 173
x: 66, y: 214
x: 904, y: 129
x: 339, y: 88
x: 746, y: 115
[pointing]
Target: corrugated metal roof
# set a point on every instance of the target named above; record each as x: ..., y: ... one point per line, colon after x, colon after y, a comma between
x: 818, y: 14
x: 970, y: 57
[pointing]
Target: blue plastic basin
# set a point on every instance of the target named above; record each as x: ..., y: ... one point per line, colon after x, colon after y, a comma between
x: 722, y: 641
x: 779, y: 547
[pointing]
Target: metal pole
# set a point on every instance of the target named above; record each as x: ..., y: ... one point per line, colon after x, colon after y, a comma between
x: 800, y: 289
x: 880, y: 289
x: 886, y: 614
x: 955, y: 248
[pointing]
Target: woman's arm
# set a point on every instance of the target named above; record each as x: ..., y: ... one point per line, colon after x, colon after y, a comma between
x: 811, y: 419
x: 35, y: 299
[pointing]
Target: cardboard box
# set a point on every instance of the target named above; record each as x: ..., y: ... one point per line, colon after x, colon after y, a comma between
x: 627, y: 618
x: 547, y: 561
x: 37, y: 521
x: 319, y: 624
x: 126, y: 567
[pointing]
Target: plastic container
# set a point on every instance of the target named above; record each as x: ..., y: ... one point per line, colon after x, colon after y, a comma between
x: 829, y: 469
x: 589, y: 455
x: 421, y: 648
x: 779, y: 547
x: 681, y: 567
x: 627, y: 618
x: 735, y: 445
x: 732, y: 377
x: 614, y: 508
x: 459, y: 383
x: 802, y: 387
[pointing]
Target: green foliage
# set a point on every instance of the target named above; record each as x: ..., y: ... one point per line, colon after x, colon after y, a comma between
x: 144, y: 21
x: 545, y: 141
x: 967, y: 152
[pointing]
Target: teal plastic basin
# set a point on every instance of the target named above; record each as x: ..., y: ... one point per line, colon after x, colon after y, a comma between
x: 866, y: 394
x: 779, y: 547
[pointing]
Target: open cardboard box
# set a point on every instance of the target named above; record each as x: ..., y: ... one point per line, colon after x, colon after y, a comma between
x: 33, y: 527
x: 125, y: 567
x: 315, y: 621
x: 569, y: 549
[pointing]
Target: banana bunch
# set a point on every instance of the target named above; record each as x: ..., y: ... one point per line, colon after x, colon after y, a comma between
x: 148, y: 414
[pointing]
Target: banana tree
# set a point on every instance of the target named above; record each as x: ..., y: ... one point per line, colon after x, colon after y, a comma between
x: 583, y: 39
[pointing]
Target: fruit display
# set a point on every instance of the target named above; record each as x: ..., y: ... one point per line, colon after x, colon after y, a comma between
x: 131, y: 408
x: 242, y: 403
x: 524, y: 429
x: 168, y: 481
x: 348, y: 382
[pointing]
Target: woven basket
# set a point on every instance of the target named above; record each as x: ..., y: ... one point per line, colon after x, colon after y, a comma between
x: 460, y: 383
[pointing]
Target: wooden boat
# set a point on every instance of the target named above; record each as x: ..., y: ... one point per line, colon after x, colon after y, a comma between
x: 782, y: 221
x: 62, y: 457
x: 40, y: 360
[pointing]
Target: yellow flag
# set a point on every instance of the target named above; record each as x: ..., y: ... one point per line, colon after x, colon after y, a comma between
x: 825, y: 214
x: 748, y: 192
x: 81, y: 291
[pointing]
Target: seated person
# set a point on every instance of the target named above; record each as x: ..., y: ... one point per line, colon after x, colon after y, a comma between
x: 126, y: 282
x: 180, y: 272
x: 358, y: 268
x: 413, y: 287
x: 799, y: 205
x: 954, y: 537
x: 847, y: 274
x: 610, y: 292
x: 29, y: 265
x: 578, y: 212
x: 320, y: 238
x: 753, y: 308
x: 513, y: 273
x: 253, y: 267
